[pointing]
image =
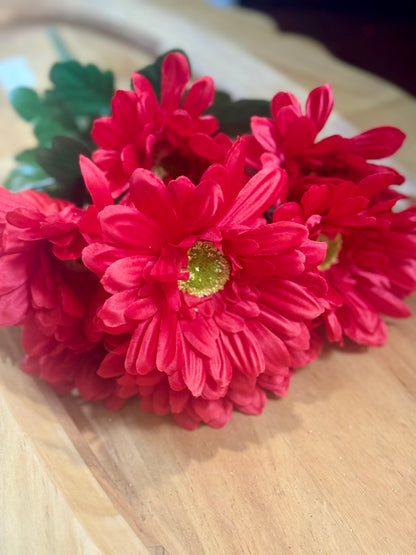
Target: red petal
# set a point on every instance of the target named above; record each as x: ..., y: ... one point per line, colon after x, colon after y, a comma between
x: 277, y: 237
x: 264, y: 129
x: 290, y: 299
x: 112, y: 366
x: 375, y: 183
x: 15, y: 270
x: 98, y: 257
x: 249, y: 403
x: 91, y: 386
x: 387, y: 303
x: 206, y: 206
x: 181, y: 123
x: 319, y: 105
x: 282, y: 99
x: 199, y: 97
x: 200, y: 335
x: 14, y: 306
x: 96, y: 183
x: 205, y: 146
x: 175, y: 76
x: 171, y: 343
x: 193, y: 372
x: 299, y: 136
x: 124, y: 110
x: 214, y: 413
x: 107, y: 134
x: 244, y: 352
x: 208, y: 125
x: 112, y: 312
x: 378, y: 142
x: 287, y: 116
x: 259, y: 194
x: 149, y: 195
x: 142, y: 309
x: 128, y: 228
x: 143, y: 88
x: 178, y: 400
x: 125, y: 273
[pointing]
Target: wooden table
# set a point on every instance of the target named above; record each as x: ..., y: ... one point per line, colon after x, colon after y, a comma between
x: 329, y: 469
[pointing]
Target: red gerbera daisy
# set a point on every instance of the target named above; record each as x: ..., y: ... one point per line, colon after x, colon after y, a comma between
x: 216, y: 303
x: 288, y: 140
x: 41, y: 277
x: 371, y: 259
x: 169, y: 137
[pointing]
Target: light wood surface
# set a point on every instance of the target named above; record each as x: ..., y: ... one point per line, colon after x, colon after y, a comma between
x: 329, y: 469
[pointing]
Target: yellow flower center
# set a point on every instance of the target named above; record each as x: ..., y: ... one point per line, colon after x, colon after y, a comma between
x: 160, y: 171
x: 333, y: 250
x: 208, y: 268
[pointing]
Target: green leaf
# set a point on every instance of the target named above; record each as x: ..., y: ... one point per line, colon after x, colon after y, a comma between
x: 62, y: 119
x: 26, y: 102
x: 48, y: 120
x: 84, y: 90
x: 62, y: 160
x: 27, y: 156
x: 153, y: 72
x: 234, y: 117
x: 46, y: 128
x: 28, y: 176
x: 55, y: 170
x: 221, y: 98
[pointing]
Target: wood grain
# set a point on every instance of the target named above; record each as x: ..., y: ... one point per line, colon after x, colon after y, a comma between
x: 329, y: 469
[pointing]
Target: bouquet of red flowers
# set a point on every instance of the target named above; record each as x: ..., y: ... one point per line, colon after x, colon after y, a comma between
x: 171, y: 244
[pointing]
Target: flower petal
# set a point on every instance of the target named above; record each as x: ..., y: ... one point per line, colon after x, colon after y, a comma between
x: 175, y: 76
x: 96, y: 183
x: 126, y: 227
x: 259, y: 194
x: 193, y: 372
x: 319, y: 105
x: 200, y: 96
x: 244, y: 352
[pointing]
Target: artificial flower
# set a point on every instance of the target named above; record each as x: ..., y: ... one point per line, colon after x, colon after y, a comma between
x: 214, y: 301
x: 169, y: 137
x: 371, y: 258
x: 41, y: 276
x: 288, y: 140
x: 198, y: 272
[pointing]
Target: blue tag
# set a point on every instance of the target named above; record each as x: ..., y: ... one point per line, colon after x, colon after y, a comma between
x: 16, y: 72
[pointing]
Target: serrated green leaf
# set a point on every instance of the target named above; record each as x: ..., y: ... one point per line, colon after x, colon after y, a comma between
x: 84, y: 90
x: 62, y: 119
x: 48, y: 120
x: 234, y: 117
x: 61, y: 161
x: 26, y: 102
x: 153, y: 72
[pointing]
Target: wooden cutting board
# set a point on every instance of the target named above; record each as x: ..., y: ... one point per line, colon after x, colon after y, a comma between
x: 329, y: 469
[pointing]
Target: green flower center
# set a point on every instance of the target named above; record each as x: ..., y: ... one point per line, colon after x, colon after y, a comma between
x: 332, y: 253
x: 208, y: 268
x: 160, y: 171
